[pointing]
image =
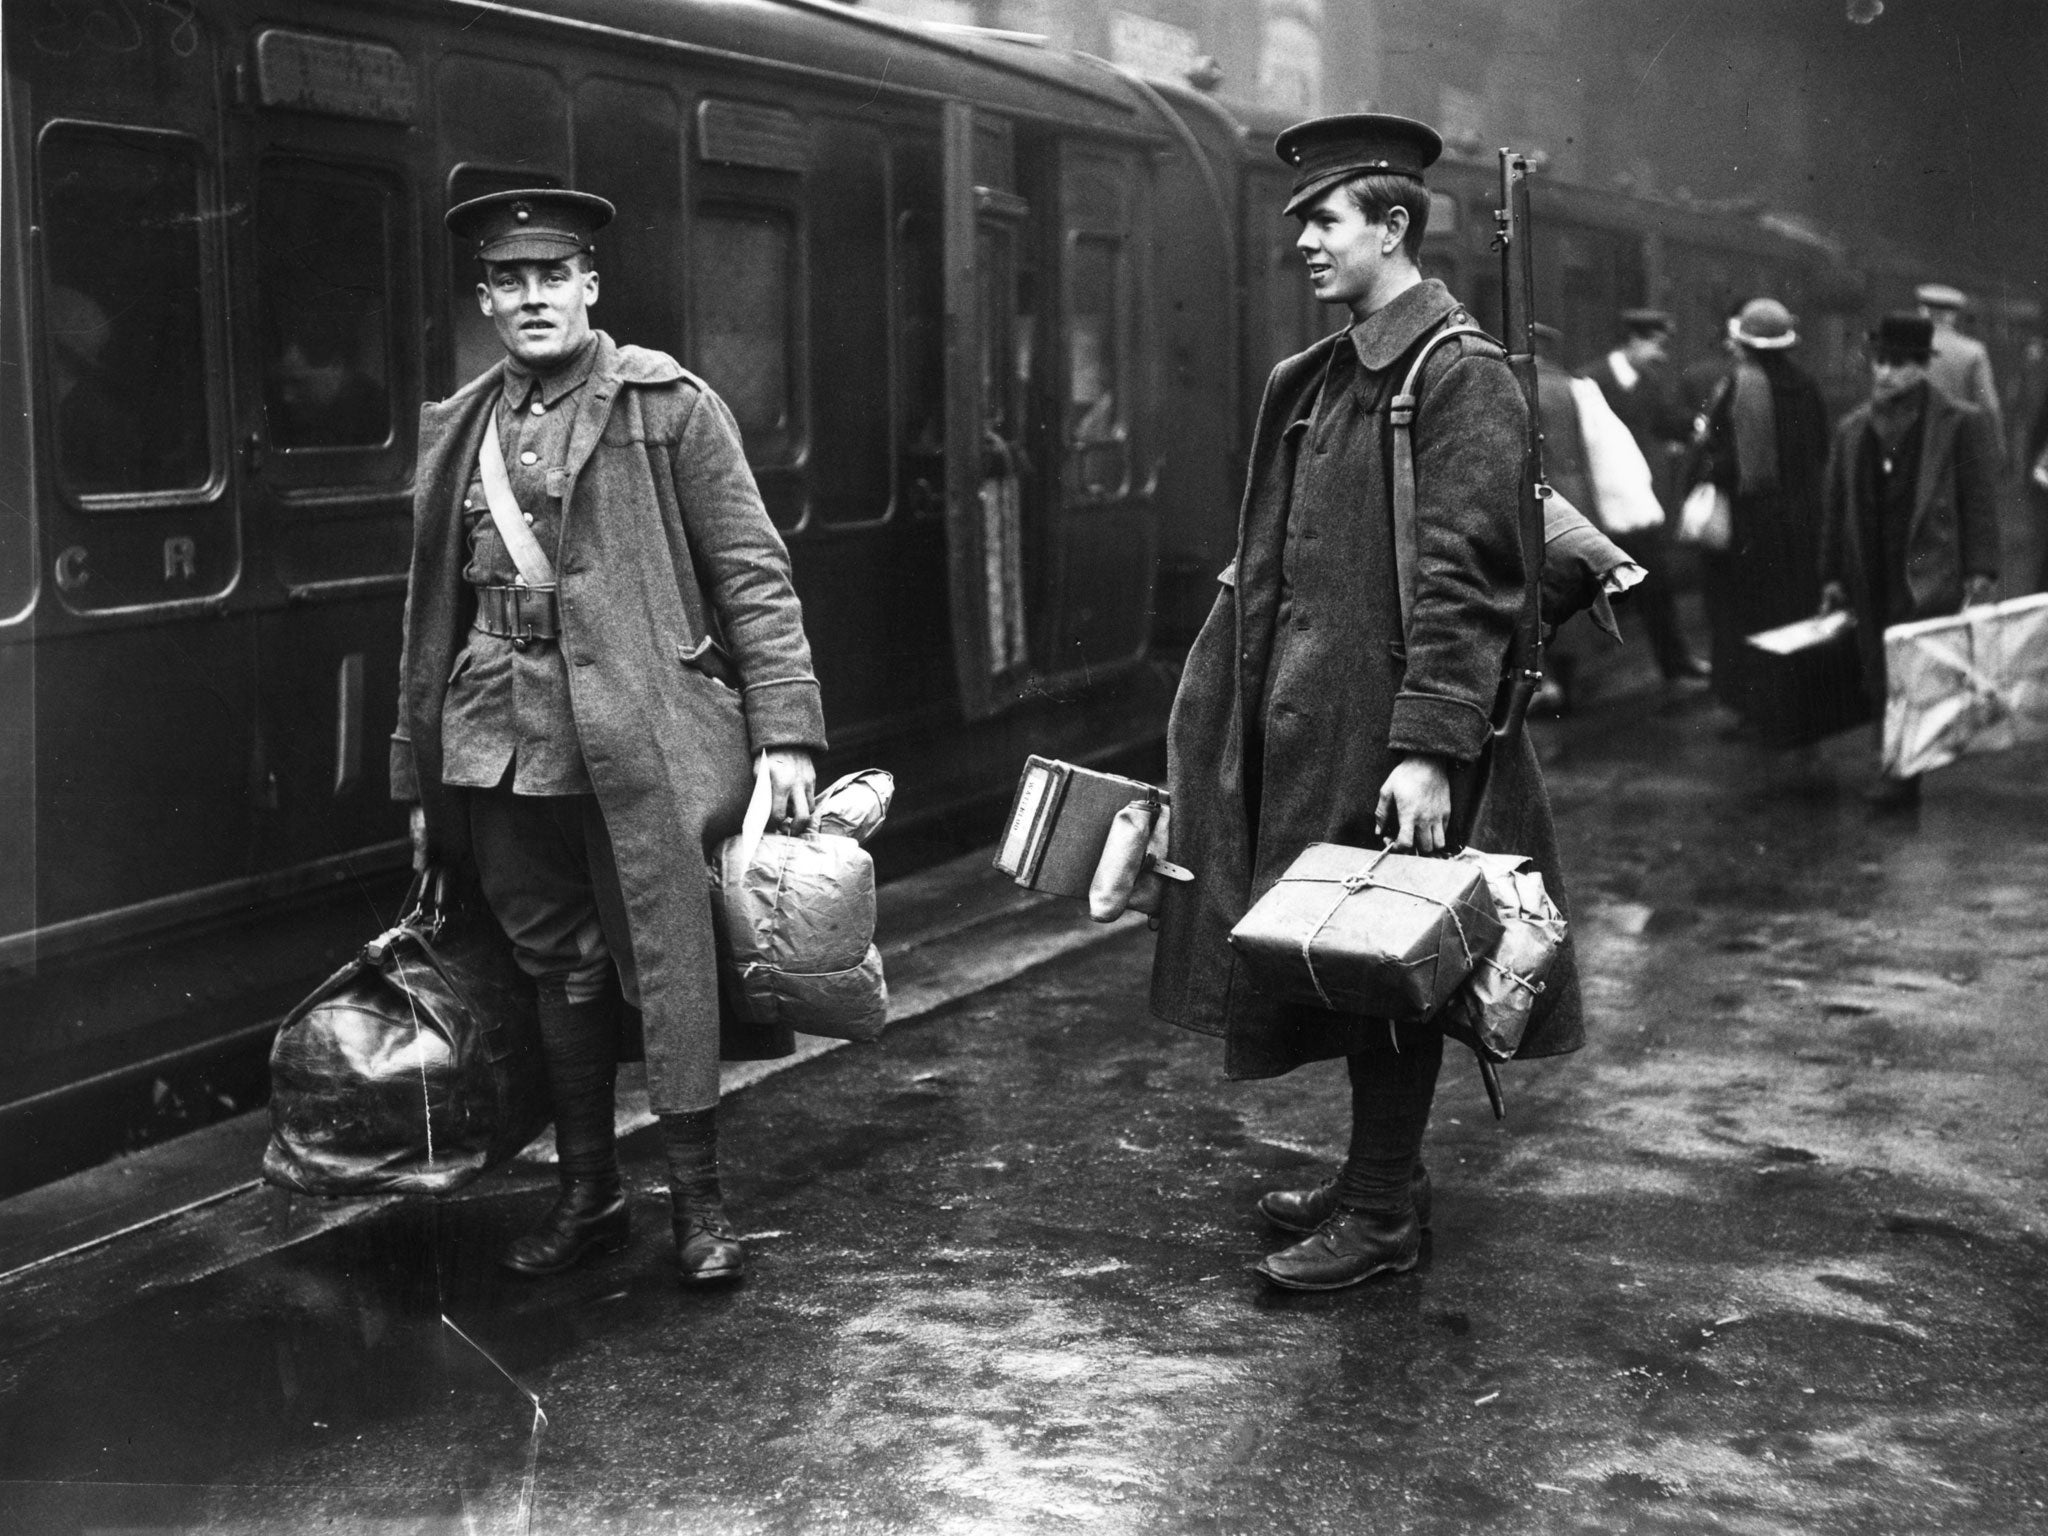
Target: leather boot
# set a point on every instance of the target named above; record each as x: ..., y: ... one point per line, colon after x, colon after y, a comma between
x: 590, y: 1215
x: 1349, y: 1247
x: 708, y: 1250
x: 1303, y: 1210
x: 579, y: 1042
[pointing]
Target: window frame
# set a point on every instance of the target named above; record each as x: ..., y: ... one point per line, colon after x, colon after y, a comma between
x: 814, y: 388
x: 211, y: 342
x: 1123, y: 339
x: 726, y: 194
x: 373, y: 466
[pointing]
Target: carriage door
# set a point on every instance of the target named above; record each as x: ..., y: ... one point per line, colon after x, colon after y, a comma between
x: 328, y: 376
x: 1105, y: 533
x: 995, y: 491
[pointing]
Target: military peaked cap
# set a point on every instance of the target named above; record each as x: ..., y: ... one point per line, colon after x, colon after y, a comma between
x: 1327, y: 151
x: 532, y: 224
x: 1645, y: 322
x: 1903, y: 336
x: 1940, y: 296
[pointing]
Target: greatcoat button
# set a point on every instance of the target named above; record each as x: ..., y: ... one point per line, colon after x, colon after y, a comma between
x: 529, y: 457
x: 538, y: 408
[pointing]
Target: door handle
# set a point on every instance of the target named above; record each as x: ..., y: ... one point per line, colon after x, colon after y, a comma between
x: 252, y: 452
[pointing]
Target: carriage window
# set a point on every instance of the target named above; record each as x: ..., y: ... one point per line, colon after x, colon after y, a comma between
x: 123, y: 322
x: 1097, y: 410
x: 323, y: 240
x: 920, y: 341
x: 850, y: 463
x: 742, y: 272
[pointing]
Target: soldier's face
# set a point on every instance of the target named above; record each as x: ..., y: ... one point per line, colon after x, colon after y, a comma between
x: 1347, y: 254
x: 541, y: 308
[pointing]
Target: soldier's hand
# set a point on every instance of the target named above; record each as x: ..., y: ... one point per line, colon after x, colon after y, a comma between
x: 1415, y: 805
x: 792, y: 781
x: 1978, y: 590
x: 416, y: 827
x: 1833, y: 598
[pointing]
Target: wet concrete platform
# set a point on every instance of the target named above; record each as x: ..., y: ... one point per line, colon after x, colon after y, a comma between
x: 1768, y: 1256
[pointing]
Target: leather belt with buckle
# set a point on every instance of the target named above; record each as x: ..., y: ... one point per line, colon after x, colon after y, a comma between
x: 518, y: 613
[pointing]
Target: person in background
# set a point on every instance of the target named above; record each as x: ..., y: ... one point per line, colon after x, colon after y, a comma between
x: 1704, y: 375
x: 1763, y: 439
x: 1960, y: 367
x: 579, y: 745
x: 1909, y: 526
x: 319, y: 397
x: 1637, y: 381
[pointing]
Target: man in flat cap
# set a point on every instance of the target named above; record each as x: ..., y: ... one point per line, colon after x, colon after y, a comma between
x: 1637, y: 381
x: 1960, y: 366
x: 600, y: 637
x: 1310, y: 711
x: 1909, y: 514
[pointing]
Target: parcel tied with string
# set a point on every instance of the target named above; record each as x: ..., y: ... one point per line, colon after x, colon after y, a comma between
x: 1975, y: 681
x: 1388, y: 935
x: 1490, y: 1012
x: 414, y: 1068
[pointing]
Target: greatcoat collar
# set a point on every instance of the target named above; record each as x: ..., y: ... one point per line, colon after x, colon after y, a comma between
x: 1382, y: 336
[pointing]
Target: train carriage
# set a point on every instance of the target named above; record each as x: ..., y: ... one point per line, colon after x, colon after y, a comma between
x: 994, y: 319
x: 914, y: 264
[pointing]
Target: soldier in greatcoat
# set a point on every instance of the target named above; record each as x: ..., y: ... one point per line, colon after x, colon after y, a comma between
x: 581, y: 745
x: 1306, y: 714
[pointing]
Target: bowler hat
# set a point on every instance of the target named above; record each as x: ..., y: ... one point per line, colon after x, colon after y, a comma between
x: 531, y: 224
x: 1903, y: 337
x: 1764, y: 324
x: 1940, y: 296
x: 1326, y: 151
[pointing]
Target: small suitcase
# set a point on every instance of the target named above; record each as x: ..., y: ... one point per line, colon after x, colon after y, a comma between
x: 1809, y: 682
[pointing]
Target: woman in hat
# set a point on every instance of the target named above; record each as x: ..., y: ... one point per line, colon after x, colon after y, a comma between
x: 1763, y: 439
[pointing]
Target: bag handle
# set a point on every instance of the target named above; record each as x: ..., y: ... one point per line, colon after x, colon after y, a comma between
x: 535, y: 569
x: 755, y: 824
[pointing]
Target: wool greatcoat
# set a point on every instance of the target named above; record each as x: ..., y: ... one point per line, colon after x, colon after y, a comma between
x: 1296, y: 704
x: 667, y: 562
x: 1952, y: 532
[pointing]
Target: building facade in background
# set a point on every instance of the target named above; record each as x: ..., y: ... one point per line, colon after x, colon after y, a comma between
x: 1907, y: 133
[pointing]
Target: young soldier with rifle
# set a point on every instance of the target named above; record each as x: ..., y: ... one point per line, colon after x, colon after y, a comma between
x: 1349, y: 685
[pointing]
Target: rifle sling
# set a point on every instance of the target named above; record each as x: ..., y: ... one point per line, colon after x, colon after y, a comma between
x: 1407, y: 535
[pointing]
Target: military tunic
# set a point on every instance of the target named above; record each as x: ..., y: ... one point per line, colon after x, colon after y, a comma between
x: 508, y: 708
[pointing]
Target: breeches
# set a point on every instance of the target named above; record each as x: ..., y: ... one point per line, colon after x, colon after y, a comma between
x: 546, y: 866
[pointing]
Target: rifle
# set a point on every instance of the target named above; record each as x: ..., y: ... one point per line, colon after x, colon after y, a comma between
x: 1523, y: 674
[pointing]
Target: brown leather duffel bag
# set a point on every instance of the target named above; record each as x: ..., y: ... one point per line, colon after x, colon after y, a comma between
x: 416, y: 1066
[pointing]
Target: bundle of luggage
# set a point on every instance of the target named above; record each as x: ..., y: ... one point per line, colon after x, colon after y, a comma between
x: 416, y: 1067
